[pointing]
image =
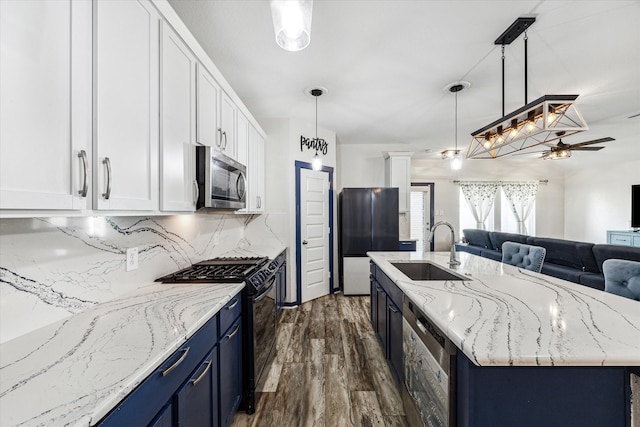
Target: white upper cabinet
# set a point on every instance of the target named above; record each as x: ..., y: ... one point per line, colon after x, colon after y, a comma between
x: 256, y: 171
x: 178, y: 187
x: 398, y: 174
x: 126, y: 105
x: 227, y: 131
x: 242, y: 150
x: 207, y: 110
x: 45, y: 105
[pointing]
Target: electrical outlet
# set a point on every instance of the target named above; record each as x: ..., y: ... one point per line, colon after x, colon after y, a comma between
x: 132, y: 259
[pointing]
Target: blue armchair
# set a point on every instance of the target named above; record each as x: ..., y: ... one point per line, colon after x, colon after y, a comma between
x: 622, y: 277
x: 523, y: 256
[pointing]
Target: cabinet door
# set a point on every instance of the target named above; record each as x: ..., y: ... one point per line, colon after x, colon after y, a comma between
x: 126, y: 112
x: 177, y: 137
x: 227, y: 125
x: 230, y: 346
x: 207, y: 110
x: 242, y: 151
x: 164, y: 418
x: 373, y: 305
x: 395, y: 340
x: 381, y: 318
x: 255, y: 170
x: 45, y: 106
x: 196, y: 401
x: 398, y: 174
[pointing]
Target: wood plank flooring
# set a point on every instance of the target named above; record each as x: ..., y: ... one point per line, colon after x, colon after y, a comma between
x: 329, y: 370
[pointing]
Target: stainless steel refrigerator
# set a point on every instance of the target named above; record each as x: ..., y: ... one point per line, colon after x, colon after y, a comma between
x: 368, y: 219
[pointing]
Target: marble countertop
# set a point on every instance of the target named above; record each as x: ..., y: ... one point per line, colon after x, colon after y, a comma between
x: 505, y: 316
x: 75, y: 371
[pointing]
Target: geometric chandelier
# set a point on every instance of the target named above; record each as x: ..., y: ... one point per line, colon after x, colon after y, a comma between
x: 536, y: 123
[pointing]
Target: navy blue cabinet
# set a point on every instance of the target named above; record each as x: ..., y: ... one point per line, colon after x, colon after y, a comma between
x: 230, y: 346
x: 195, y: 399
x: 199, y: 385
x: 386, y: 318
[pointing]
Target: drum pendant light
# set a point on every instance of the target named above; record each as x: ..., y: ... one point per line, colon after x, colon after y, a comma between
x: 292, y: 23
x: 316, y: 162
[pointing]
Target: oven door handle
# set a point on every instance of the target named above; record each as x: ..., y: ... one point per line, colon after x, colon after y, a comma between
x: 264, y: 293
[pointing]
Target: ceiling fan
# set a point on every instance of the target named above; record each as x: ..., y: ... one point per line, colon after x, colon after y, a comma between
x: 563, y: 151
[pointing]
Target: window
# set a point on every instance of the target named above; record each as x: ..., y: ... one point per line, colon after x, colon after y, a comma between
x: 467, y: 220
x: 508, y: 223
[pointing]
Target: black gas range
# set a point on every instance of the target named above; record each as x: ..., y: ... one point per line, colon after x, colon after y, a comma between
x: 222, y: 270
x: 258, y: 309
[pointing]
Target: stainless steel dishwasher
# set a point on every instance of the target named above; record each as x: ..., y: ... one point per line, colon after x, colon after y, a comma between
x: 429, y: 392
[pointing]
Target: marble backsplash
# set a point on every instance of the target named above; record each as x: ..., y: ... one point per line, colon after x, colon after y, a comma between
x: 51, y: 268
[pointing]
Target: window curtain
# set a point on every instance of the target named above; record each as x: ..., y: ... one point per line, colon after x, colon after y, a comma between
x: 521, y: 197
x: 479, y: 197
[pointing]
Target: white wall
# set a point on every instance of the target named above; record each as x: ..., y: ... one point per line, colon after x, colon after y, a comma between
x: 599, y: 199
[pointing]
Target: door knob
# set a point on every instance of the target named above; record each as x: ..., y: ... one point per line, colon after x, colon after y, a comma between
x: 304, y: 242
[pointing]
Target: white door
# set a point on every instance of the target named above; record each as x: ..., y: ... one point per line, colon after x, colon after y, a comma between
x: 126, y: 114
x: 45, y: 104
x: 178, y: 186
x: 314, y: 232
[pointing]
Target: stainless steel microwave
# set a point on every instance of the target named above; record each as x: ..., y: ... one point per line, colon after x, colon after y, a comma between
x: 221, y: 180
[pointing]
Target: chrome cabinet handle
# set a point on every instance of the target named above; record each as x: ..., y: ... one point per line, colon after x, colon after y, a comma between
x: 235, y: 331
x: 201, y: 376
x: 85, y: 166
x: 224, y: 133
x: 185, y: 351
x: 107, y: 163
x: 392, y: 309
x: 259, y: 202
x: 195, y: 184
x: 233, y: 305
x: 219, y: 141
x: 378, y: 288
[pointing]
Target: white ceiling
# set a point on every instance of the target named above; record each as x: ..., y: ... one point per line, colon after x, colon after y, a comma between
x: 385, y: 65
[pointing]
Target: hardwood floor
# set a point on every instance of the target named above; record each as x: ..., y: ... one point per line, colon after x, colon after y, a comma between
x: 329, y: 370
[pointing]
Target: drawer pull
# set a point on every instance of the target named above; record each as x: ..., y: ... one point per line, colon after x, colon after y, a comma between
x: 235, y: 331
x: 201, y: 376
x: 392, y: 308
x: 233, y: 305
x: 185, y: 351
x: 378, y: 288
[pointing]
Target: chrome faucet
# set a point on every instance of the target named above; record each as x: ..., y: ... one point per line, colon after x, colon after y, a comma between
x: 453, y: 261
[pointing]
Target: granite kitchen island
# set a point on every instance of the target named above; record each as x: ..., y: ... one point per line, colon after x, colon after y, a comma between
x: 532, y: 349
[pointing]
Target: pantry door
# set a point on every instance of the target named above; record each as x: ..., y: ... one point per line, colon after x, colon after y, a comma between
x: 314, y: 234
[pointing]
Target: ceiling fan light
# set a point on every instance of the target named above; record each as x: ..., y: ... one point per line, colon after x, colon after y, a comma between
x: 292, y: 23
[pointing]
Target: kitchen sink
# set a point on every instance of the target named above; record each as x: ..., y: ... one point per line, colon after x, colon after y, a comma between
x: 426, y: 271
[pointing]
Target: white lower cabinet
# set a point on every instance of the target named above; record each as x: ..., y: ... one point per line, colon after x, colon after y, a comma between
x: 178, y: 186
x: 126, y: 91
x: 45, y: 106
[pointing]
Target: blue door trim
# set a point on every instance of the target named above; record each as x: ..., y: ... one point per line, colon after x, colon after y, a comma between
x: 304, y: 165
x: 431, y: 186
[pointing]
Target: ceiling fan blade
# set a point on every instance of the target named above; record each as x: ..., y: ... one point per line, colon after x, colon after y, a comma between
x: 585, y: 148
x: 595, y: 141
x: 528, y: 153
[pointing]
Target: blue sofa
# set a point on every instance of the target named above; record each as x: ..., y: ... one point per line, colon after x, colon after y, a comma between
x: 577, y: 262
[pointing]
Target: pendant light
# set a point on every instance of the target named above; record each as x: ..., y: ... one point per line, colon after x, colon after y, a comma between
x: 535, y: 123
x: 454, y: 155
x: 292, y: 23
x: 316, y: 162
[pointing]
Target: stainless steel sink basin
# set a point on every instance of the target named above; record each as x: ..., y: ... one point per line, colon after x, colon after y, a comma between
x: 426, y: 271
